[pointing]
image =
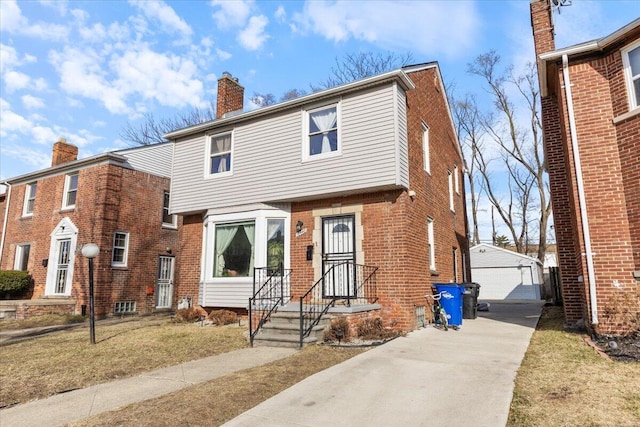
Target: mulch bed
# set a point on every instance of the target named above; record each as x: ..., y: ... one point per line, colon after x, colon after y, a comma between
x: 624, y: 349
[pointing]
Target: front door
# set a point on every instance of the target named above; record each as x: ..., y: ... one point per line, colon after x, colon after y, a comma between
x: 165, y: 281
x: 338, y: 256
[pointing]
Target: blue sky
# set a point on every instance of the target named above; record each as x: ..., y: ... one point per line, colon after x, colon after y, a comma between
x: 81, y: 69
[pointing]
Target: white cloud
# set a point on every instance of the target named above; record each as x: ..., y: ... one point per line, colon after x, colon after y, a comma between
x: 10, y: 121
x: 31, y: 102
x: 435, y: 28
x: 167, y: 17
x: 280, y: 14
x: 15, y: 80
x: 223, y: 55
x: 253, y: 36
x: 37, y: 159
x: 12, y: 21
x: 231, y: 13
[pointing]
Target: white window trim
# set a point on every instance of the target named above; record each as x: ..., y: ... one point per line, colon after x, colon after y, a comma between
x: 426, y: 148
x: 65, y: 229
x: 628, y: 77
x: 65, y: 193
x: 207, y: 156
x: 432, y: 249
x: 27, y: 197
x: 452, y: 205
x: 456, y: 178
x: 17, y: 263
x: 259, y: 251
x: 306, y: 157
x: 125, y: 258
x: 174, y: 218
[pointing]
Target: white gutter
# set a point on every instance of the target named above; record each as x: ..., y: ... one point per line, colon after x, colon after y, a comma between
x: 581, y: 196
x: 6, y: 216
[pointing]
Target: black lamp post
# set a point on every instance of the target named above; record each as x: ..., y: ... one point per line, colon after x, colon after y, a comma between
x: 90, y: 251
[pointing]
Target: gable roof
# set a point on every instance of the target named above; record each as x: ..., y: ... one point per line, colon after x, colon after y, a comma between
x: 397, y: 75
x: 494, y: 256
x: 581, y: 49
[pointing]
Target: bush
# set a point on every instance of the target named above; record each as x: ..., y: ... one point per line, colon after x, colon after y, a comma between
x: 190, y: 314
x: 223, y: 317
x: 14, y: 283
x: 338, y: 330
x: 373, y: 329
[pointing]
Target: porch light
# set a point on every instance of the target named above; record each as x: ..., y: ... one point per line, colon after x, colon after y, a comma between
x: 299, y: 226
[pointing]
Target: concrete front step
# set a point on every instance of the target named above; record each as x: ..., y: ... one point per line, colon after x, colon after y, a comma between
x: 276, y: 340
x: 283, y: 330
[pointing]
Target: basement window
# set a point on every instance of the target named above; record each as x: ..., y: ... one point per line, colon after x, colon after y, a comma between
x: 123, y: 307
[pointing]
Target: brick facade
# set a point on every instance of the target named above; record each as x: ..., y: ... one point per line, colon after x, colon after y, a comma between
x: 109, y: 198
x: 608, y: 138
x: 230, y: 95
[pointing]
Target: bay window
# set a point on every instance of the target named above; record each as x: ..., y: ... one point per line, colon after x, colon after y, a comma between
x: 234, y: 249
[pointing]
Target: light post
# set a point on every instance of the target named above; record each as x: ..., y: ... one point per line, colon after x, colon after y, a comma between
x: 90, y: 251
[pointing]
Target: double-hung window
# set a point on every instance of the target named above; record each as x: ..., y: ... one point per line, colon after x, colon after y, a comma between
x: 220, y: 150
x: 29, y: 199
x: 431, y: 243
x: 321, y: 129
x: 168, y: 220
x: 631, y: 62
x: 120, y: 249
x: 70, y: 191
x: 452, y: 205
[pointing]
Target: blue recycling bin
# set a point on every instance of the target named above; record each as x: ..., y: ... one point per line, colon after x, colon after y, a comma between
x: 451, y: 301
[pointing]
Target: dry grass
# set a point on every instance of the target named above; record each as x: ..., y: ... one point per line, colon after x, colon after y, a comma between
x: 564, y: 382
x: 66, y: 360
x: 217, y: 401
x: 45, y: 320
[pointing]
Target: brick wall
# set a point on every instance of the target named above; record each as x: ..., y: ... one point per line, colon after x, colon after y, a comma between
x: 610, y: 172
x: 230, y: 95
x: 109, y: 198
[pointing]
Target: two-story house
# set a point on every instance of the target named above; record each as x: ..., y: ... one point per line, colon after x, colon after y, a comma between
x: 356, y: 189
x: 591, y: 122
x: 118, y: 200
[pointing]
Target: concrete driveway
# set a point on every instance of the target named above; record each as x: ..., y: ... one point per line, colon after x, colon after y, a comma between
x: 428, y: 378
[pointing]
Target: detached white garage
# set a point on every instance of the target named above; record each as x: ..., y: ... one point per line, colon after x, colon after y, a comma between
x: 504, y: 274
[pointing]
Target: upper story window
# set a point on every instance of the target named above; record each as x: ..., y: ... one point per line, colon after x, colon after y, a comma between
x: 452, y: 205
x: 29, y: 198
x: 120, y: 249
x: 168, y: 220
x: 220, y: 150
x: 70, y: 191
x: 631, y: 61
x: 425, y: 148
x: 321, y: 128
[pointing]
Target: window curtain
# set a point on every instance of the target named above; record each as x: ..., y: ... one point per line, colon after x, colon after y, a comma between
x: 249, y: 230
x: 224, y: 236
x: 222, y: 144
x: 325, y: 121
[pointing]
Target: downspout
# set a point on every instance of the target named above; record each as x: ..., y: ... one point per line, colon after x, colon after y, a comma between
x: 6, y: 216
x: 581, y: 197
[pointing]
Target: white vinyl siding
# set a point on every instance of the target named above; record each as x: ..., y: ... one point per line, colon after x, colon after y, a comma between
x: 154, y: 159
x: 402, y: 137
x: 267, y: 158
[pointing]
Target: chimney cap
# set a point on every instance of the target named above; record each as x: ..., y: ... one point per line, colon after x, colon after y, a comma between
x: 63, y: 140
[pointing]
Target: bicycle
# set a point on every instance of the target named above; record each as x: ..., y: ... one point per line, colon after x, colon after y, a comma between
x: 439, y: 315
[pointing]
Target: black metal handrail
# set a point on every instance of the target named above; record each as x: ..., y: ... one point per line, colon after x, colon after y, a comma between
x: 274, y: 289
x: 344, y: 280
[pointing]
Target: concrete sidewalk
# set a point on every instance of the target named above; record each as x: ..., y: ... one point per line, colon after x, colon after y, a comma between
x: 78, y: 404
x: 429, y: 378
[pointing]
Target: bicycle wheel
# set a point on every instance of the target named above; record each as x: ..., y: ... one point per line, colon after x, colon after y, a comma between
x: 443, y: 319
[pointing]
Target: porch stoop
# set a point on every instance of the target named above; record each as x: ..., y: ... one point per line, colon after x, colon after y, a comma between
x: 283, y: 330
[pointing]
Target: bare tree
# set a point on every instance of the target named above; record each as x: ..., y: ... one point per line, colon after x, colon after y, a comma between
x: 519, y: 150
x: 262, y: 99
x: 152, y: 130
x: 470, y: 132
x: 356, y: 66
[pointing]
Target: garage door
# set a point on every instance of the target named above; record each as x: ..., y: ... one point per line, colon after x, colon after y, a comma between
x: 506, y: 283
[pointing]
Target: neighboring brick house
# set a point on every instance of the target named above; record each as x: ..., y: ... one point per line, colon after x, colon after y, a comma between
x: 117, y: 200
x: 591, y: 120
x: 361, y: 178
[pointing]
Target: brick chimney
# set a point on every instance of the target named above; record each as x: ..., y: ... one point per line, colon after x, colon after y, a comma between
x: 230, y: 95
x: 63, y: 152
x: 542, y: 26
